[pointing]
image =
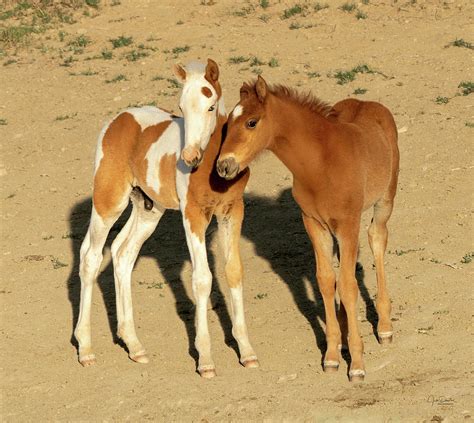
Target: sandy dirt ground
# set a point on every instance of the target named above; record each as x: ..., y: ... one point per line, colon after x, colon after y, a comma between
x: 54, y: 98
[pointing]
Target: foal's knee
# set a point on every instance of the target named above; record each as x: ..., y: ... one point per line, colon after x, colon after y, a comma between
x: 348, y: 291
x: 326, y: 281
x: 202, y: 281
x: 90, y: 263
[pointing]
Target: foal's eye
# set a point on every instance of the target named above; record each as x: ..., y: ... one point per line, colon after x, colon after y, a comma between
x: 211, y: 109
x: 252, y: 123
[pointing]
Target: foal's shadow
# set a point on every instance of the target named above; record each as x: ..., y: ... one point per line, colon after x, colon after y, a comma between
x: 168, y: 246
x: 273, y: 226
x: 277, y: 231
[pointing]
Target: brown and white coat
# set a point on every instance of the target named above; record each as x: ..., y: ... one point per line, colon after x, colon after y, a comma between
x: 171, y: 162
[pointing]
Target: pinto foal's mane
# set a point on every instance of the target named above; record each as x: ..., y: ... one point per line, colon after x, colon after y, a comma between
x: 305, y: 99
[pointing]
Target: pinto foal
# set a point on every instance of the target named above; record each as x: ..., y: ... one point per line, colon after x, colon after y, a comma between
x: 344, y: 159
x: 141, y: 148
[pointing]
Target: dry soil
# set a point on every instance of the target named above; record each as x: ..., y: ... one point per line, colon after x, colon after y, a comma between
x: 52, y: 108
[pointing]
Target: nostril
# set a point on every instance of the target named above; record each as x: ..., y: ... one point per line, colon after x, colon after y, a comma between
x: 230, y: 165
x: 222, y: 167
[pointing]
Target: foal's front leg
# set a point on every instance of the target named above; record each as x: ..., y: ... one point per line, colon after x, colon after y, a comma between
x: 323, y: 246
x: 195, y: 224
x: 230, y: 226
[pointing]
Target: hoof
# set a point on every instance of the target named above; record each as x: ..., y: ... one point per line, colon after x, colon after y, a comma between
x: 140, y: 357
x: 330, y: 366
x: 87, y: 360
x: 251, y: 363
x: 356, y: 375
x: 207, y: 372
x: 385, y: 338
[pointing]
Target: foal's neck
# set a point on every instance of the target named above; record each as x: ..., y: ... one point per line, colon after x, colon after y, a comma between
x: 298, y: 139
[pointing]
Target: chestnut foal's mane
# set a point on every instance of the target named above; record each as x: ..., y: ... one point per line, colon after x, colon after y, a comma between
x: 307, y: 100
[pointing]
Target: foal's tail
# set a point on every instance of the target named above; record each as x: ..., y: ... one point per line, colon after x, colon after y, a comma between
x: 387, y: 122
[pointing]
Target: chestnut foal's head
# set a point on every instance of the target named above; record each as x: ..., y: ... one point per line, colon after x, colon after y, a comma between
x: 199, y: 103
x: 248, y: 130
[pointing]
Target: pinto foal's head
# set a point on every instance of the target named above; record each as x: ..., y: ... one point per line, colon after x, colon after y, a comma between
x: 199, y: 103
x: 248, y: 130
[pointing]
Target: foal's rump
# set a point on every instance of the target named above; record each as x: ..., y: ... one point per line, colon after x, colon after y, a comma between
x: 368, y: 115
x: 379, y: 145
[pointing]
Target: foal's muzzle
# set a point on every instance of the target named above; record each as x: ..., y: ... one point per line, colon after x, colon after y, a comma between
x: 192, y: 156
x: 227, y: 168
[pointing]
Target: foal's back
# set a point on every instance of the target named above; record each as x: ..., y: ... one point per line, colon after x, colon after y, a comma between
x: 378, y: 147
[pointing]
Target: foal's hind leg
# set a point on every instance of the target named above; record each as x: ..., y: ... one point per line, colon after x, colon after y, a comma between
x: 347, y: 235
x: 230, y: 226
x: 323, y: 247
x: 125, y: 249
x: 91, y: 259
x: 378, y: 235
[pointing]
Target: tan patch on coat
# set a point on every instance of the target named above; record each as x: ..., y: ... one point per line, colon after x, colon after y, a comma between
x: 198, y: 215
x: 215, y: 84
x: 207, y: 92
x: 208, y: 193
x: 167, y: 196
x: 114, y: 176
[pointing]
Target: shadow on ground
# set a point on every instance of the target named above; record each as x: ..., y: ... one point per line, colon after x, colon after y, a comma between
x: 275, y: 228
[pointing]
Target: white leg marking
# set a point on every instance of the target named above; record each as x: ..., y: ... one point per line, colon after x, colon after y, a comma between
x: 239, y: 327
x: 230, y: 241
x: 201, y: 282
x: 91, y: 259
x: 125, y: 249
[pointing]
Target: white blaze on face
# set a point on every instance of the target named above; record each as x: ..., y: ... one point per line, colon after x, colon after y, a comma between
x: 238, y: 110
x: 199, y: 121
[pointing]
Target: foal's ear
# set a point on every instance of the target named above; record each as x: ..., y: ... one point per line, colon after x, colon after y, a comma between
x: 261, y: 89
x: 244, y: 91
x: 212, y: 70
x: 179, y: 72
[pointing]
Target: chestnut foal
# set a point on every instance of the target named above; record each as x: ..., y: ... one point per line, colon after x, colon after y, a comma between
x: 344, y: 159
x: 138, y: 158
